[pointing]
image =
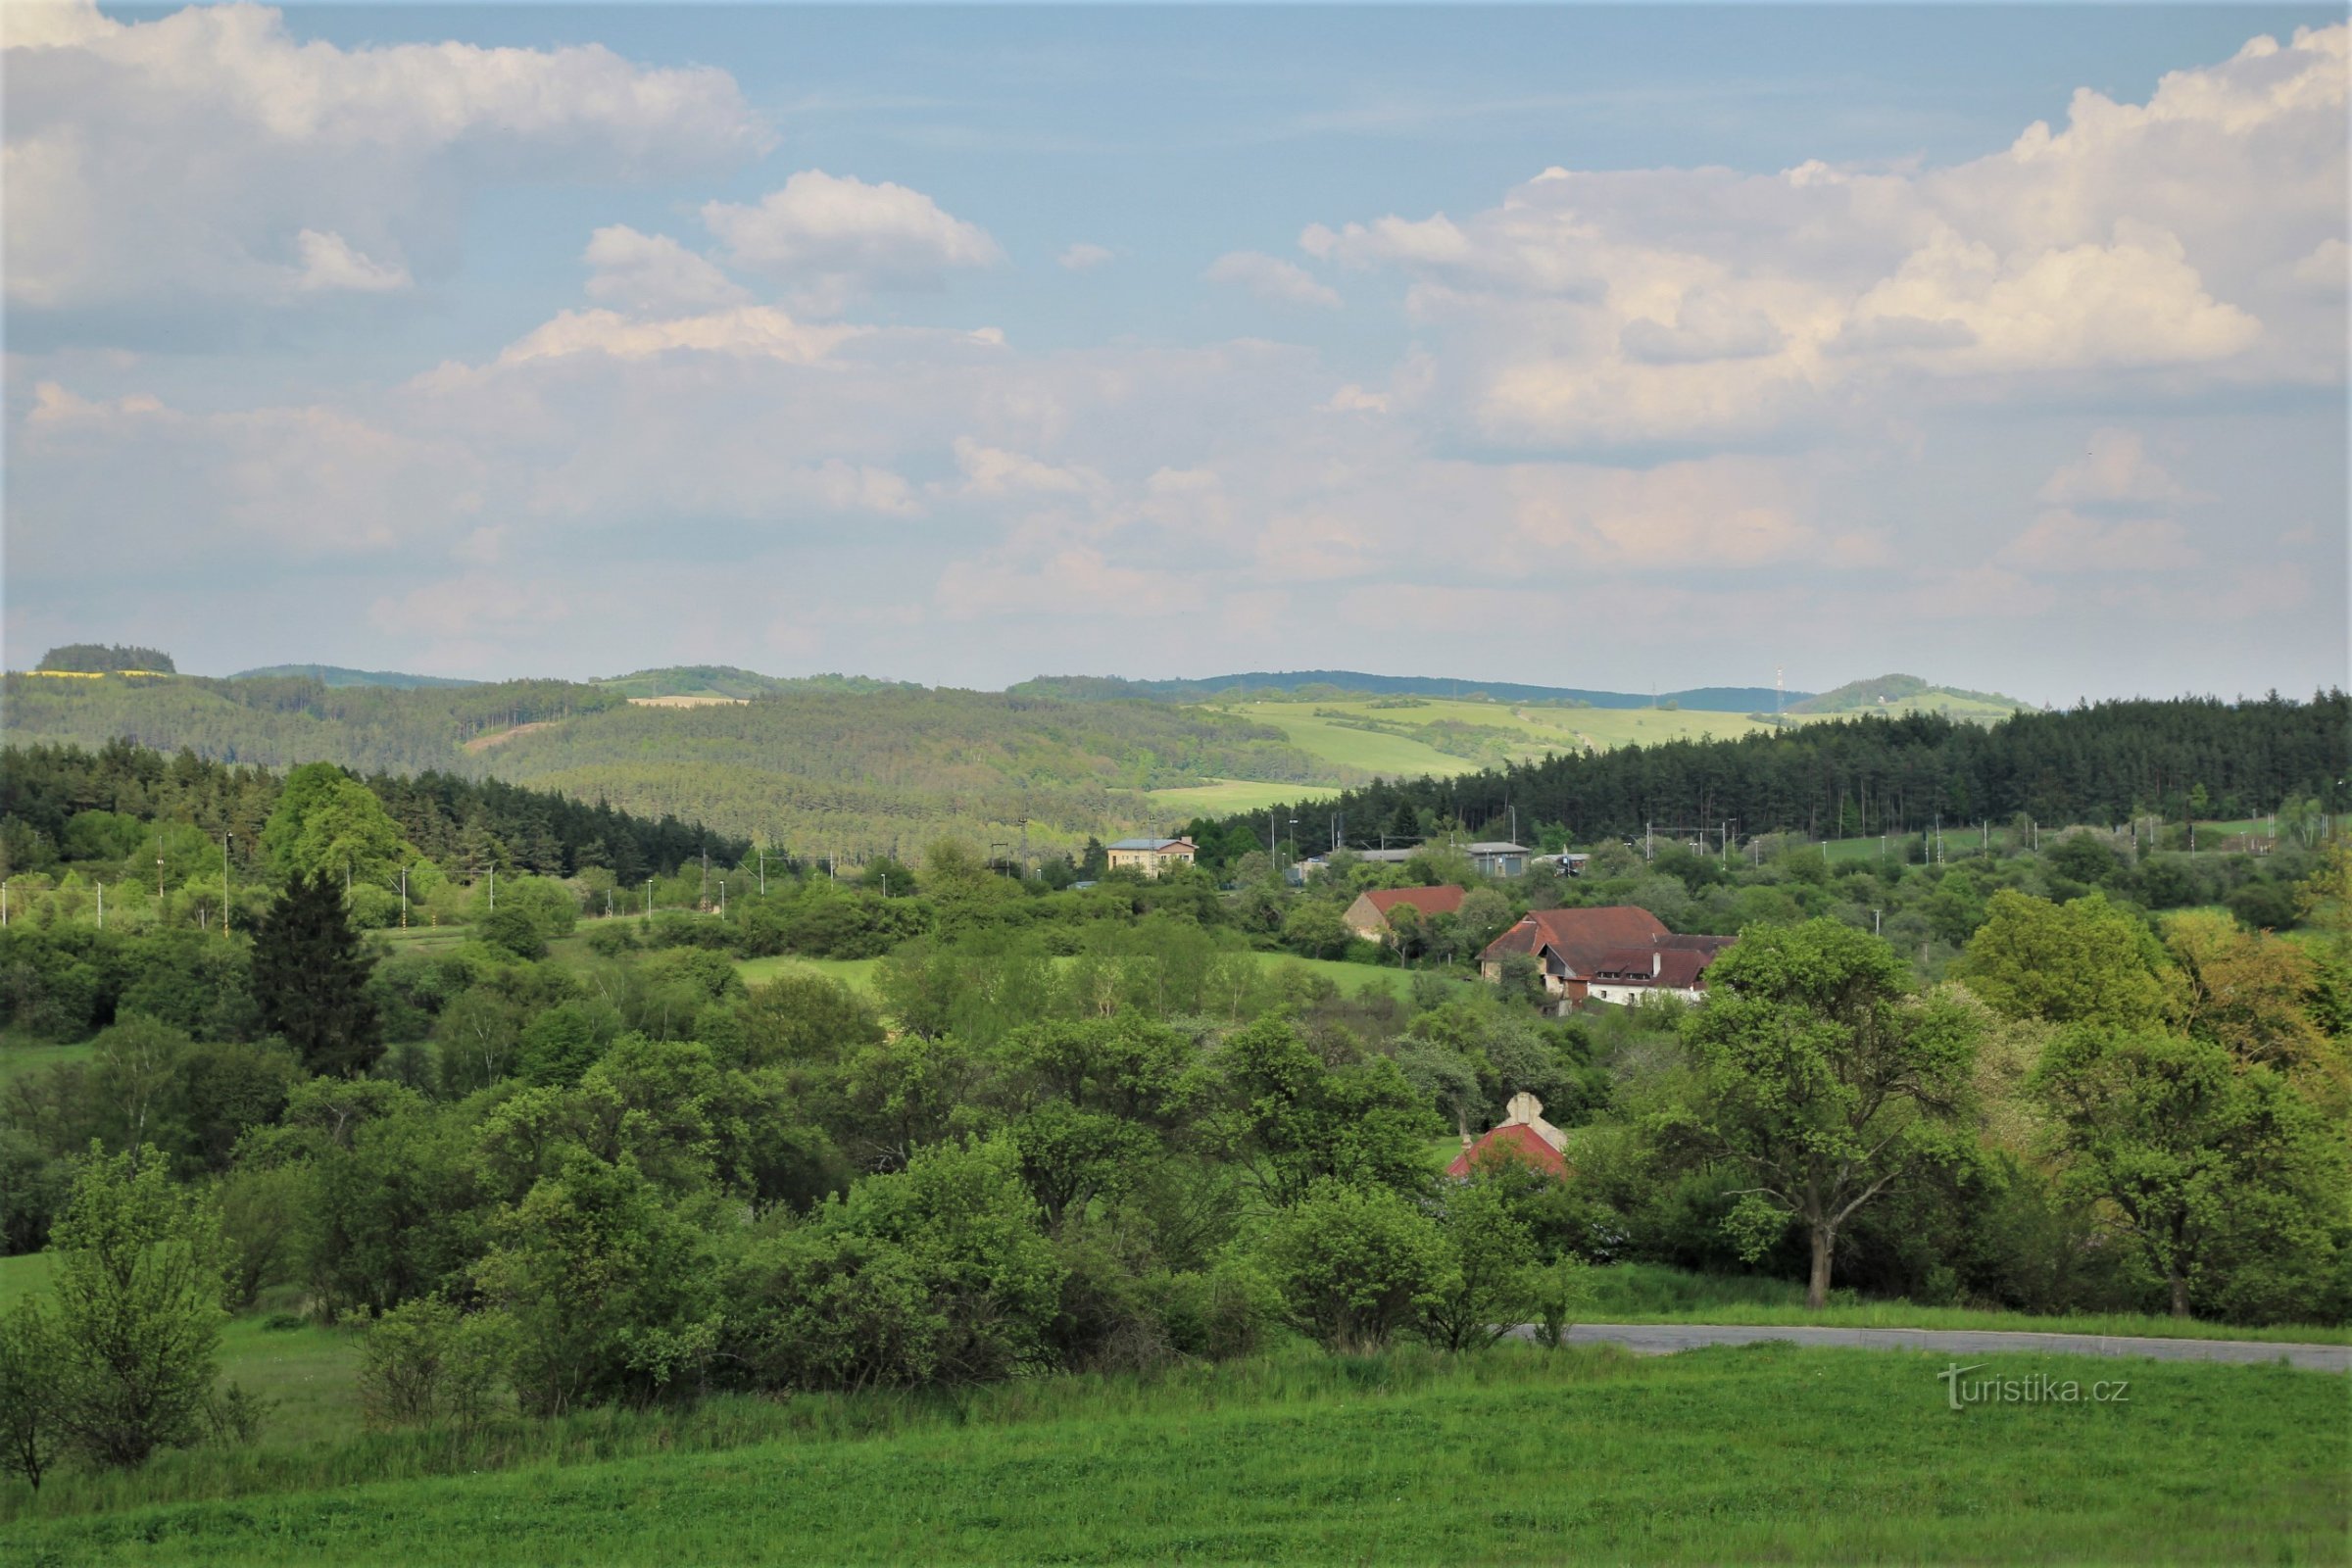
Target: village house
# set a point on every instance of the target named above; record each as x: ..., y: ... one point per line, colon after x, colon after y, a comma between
x: 1605, y: 955
x: 1523, y: 1134
x: 1499, y: 858
x: 1150, y: 855
x: 1368, y: 915
x: 1674, y: 965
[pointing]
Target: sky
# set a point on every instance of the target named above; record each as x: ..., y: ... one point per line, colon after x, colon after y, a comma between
x: 1601, y: 347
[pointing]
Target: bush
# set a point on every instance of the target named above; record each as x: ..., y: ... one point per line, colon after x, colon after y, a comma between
x: 1356, y: 1264
x: 425, y: 1363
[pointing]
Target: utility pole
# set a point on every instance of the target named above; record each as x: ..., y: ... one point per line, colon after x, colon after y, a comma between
x: 649, y: 898
x: 764, y: 872
x: 101, y: 906
x: 722, y: 898
x: 1876, y: 925
x: 159, y: 872
x: 404, y: 897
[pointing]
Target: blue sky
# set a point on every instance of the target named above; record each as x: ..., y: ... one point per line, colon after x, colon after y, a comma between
x: 1593, y: 346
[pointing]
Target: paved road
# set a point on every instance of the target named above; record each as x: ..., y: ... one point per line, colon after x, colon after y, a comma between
x: 1664, y: 1338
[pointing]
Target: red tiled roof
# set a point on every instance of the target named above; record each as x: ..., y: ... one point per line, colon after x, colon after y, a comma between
x: 1581, y: 937
x: 1511, y: 1141
x: 1428, y: 900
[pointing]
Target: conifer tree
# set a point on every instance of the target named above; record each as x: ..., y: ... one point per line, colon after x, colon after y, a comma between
x: 310, y: 979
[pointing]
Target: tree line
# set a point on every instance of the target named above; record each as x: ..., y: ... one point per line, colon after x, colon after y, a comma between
x: 2103, y: 763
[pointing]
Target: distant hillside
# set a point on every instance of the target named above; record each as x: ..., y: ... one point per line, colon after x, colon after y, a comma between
x: 726, y: 680
x: 1907, y: 694
x: 97, y: 658
x: 1257, y: 683
x: 338, y: 676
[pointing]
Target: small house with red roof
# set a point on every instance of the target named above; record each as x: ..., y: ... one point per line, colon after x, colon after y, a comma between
x: 1523, y: 1134
x: 1368, y: 915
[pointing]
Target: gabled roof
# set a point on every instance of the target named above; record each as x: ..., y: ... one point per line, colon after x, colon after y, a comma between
x: 1579, y: 937
x: 1426, y: 900
x: 1664, y: 968
x: 1513, y: 1140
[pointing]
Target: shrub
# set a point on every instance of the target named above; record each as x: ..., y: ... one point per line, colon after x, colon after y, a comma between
x: 425, y: 1363
x: 1356, y: 1264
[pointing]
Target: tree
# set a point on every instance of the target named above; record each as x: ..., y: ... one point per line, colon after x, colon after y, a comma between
x: 310, y: 977
x: 1821, y: 1079
x: 1315, y: 931
x: 138, y: 1309
x: 2245, y: 990
x: 329, y: 824
x: 1356, y: 1264
x: 1490, y: 1287
x: 2085, y: 961
x: 608, y: 1291
x: 29, y: 1432
x: 2193, y: 1157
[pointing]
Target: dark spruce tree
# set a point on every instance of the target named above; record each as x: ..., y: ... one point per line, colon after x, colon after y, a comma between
x: 310, y: 979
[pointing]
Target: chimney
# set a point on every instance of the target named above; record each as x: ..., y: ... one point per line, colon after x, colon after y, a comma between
x: 1657, y: 964
x: 1461, y: 1119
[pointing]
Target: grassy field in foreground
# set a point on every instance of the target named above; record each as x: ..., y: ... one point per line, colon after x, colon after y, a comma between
x: 1763, y: 1453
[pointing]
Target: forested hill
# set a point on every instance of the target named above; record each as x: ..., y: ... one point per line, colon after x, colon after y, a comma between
x: 463, y: 823
x: 1834, y: 778
x: 339, y: 675
x: 1098, y: 688
x: 825, y: 765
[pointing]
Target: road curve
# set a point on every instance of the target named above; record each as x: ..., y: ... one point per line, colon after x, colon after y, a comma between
x: 1664, y: 1338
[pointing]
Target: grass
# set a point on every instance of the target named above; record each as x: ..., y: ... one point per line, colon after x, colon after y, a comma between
x: 1770, y: 1452
x: 1642, y: 1293
x: 1531, y: 732
x: 855, y: 973
x: 20, y: 1056
x: 1228, y: 796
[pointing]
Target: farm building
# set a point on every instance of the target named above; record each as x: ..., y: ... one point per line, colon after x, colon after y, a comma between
x: 1620, y: 949
x: 1368, y: 915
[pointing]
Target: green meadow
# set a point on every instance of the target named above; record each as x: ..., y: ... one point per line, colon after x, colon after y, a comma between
x: 1763, y: 1453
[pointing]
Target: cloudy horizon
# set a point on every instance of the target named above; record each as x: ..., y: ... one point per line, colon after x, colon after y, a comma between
x: 1589, y: 348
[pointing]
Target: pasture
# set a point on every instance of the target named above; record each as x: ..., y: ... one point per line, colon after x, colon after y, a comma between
x: 1405, y: 745
x: 1225, y: 797
x: 1764, y: 1453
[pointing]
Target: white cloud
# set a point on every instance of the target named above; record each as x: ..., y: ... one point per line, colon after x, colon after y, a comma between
x: 1271, y: 278
x: 832, y: 238
x: 210, y: 155
x: 2179, y: 245
x: 1083, y: 256
x: 2114, y: 467
x: 328, y: 262
x: 653, y: 274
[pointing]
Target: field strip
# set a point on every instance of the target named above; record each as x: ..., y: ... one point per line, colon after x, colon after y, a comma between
x: 1664, y: 1338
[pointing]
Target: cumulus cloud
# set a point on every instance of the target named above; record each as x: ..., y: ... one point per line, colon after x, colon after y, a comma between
x: 328, y: 262
x: 653, y: 274
x: 1272, y: 278
x: 1083, y: 256
x: 2182, y: 242
x: 832, y: 238
x: 211, y: 156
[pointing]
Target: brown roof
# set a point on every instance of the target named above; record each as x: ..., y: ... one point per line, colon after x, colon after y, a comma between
x: 1514, y: 1140
x: 1668, y: 969
x: 1579, y: 938
x: 1427, y: 900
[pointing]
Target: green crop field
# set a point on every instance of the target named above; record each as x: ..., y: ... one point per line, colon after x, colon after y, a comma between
x: 1766, y: 1453
x: 1405, y: 745
x: 1225, y: 797
x: 855, y: 973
